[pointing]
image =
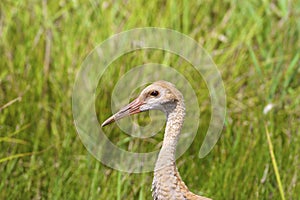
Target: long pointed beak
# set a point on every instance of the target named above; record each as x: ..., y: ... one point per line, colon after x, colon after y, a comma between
x: 130, y: 109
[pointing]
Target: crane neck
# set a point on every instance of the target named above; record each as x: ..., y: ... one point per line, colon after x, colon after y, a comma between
x: 167, y: 183
x: 175, y: 114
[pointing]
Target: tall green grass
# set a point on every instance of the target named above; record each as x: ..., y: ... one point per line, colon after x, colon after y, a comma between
x: 255, y: 45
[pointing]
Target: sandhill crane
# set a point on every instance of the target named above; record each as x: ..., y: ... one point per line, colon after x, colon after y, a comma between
x: 162, y: 95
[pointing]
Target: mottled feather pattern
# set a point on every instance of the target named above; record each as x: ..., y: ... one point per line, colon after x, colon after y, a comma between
x: 168, y: 185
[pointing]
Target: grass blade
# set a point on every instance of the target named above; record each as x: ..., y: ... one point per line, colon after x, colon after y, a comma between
x: 274, y: 164
x: 16, y: 156
x: 12, y: 140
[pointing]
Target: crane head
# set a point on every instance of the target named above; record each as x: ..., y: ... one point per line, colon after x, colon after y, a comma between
x: 161, y: 95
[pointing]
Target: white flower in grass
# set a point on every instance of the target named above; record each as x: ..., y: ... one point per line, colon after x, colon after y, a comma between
x: 268, y: 108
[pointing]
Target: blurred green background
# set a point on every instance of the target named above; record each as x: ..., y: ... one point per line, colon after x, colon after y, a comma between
x: 255, y: 45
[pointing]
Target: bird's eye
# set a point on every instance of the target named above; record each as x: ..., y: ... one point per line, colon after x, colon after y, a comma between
x: 154, y: 93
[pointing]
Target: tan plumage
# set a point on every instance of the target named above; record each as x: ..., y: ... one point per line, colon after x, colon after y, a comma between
x: 161, y: 95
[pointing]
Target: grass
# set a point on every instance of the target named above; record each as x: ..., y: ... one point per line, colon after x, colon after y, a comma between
x: 255, y: 46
